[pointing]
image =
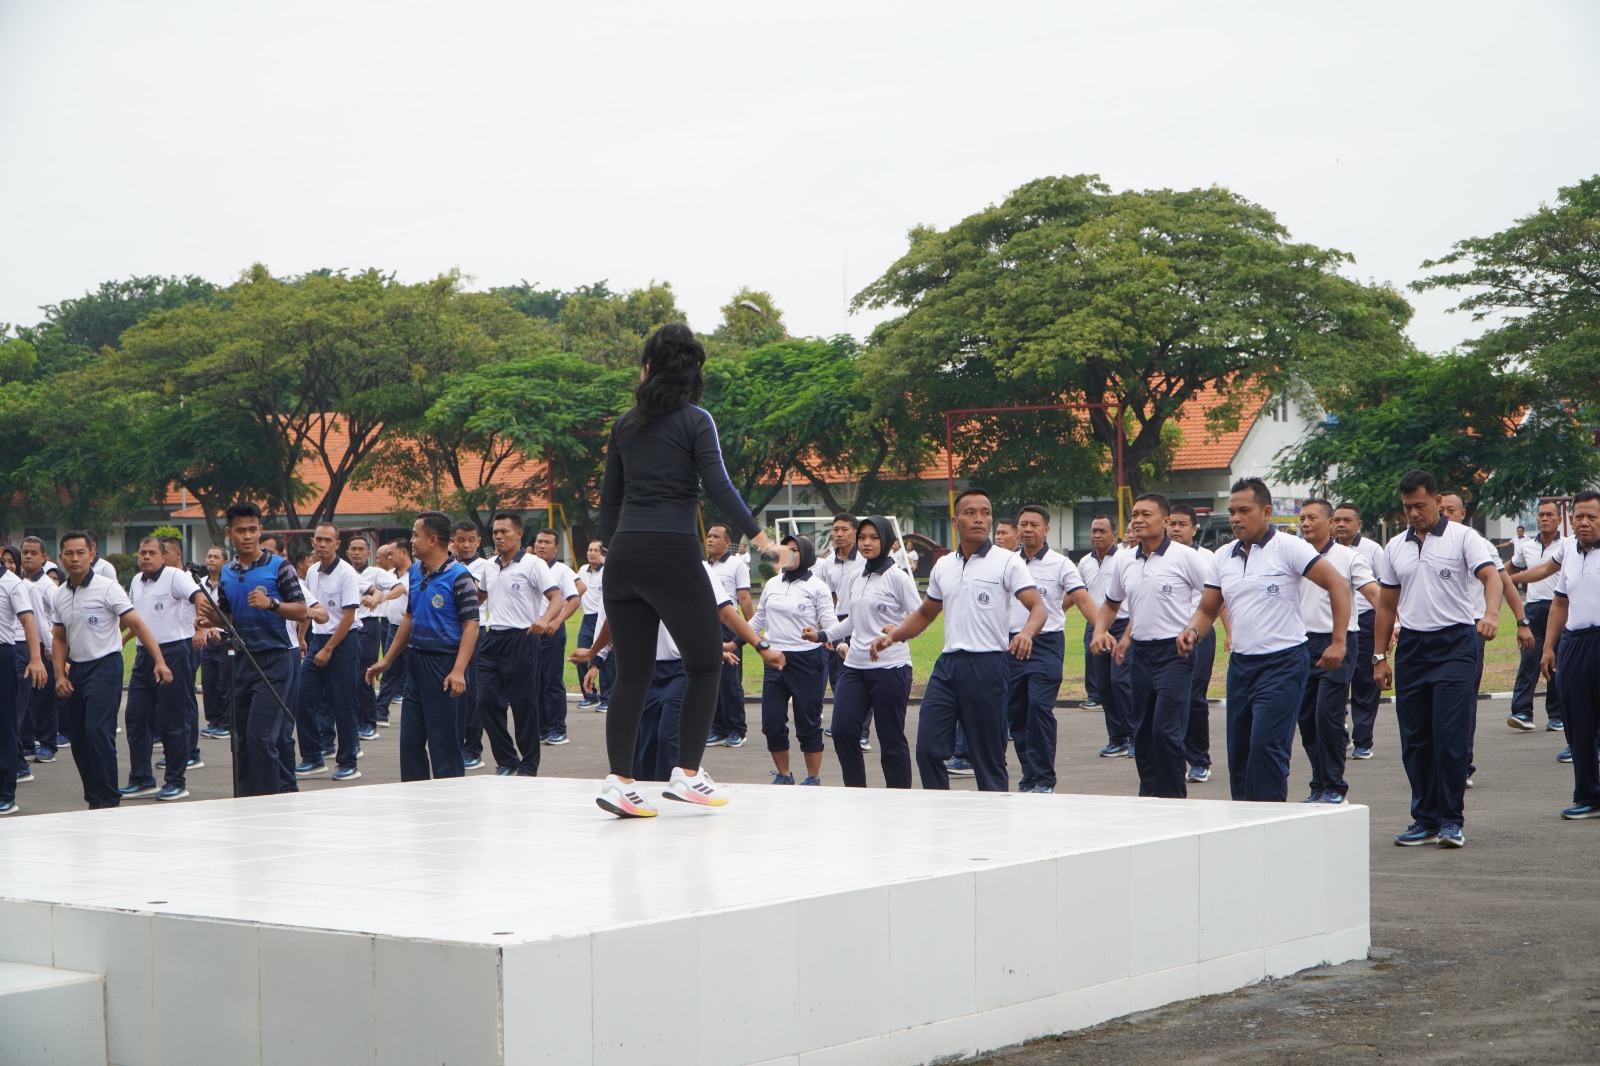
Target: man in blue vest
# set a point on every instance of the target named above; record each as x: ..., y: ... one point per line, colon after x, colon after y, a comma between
x: 440, y: 630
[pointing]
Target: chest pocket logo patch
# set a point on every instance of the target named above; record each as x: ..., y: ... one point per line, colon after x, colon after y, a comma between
x: 1272, y: 590
x: 438, y: 599
x: 1166, y: 590
x: 1444, y: 573
x: 160, y: 606
x: 983, y: 598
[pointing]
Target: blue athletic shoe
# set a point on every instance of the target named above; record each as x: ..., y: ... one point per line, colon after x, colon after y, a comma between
x: 44, y: 755
x: 471, y: 763
x: 605, y: 705
x: 1451, y: 836
x: 735, y: 740
x: 866, y: 745
x: 24, y: 776
x: 715, y: 739
x: 812, y: 781
x: 195, y: 764
x: 1565, y: 755
x: 1417, y: 834
x: 1315, y: 797
x: 782, y: 779
x: 329, y: 752
x: 62, y: 741
x: 1361, y: 753
x: 1042, y: 790
x: 827, y: 731
x: 310, y: 769
x: 350, y: 773
x: 172, y: 792
x: 958, y: 768
x: 161, y: 764
x: 1198, y: 774
x: 557, y: 739
x: 1581, y: 810
x: 1332, y: 797
x: 1090, y: 705
x: 137, y: 791
x: 1116, y: 751
x: 1555, y: 725
x: 504, y: 771
x: 368, y: 732
x: 8, y: 808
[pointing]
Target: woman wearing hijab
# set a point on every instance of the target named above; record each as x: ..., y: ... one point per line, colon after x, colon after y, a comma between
x: 872, y: 683
x: 794, y: 603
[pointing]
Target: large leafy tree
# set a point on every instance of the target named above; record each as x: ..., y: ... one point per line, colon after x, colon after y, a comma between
x: 1069, y: 292
x: 610, y: 328
x: 1499, y: 435
x: 1538, y: 282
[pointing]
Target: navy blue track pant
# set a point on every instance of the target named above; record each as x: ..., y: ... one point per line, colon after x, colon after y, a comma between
x: 1116, y: 691
x: 1162, y: 682
x: 1436, y: 703
x: 802, y: 681
x: 368, y: 637
x: 159, y: 710
x: 1264, y: 694
x: 508, y: 674
x: 89, y: 718
x: 430, y: 719
x: 261, y: 722
x: 9, y: 751
x: 1364, y: 692
x: 1096, y: 674
x: 1578, y: 663
x: 216, y: 678
x: 1197, y: 739
x: 730, y: 720
x: 392, y: 686
x: 881, y: 694
x: 1032, y: 687
x: 552, y: 684
x: 1528, y: 669
x: 586, y: 631
x: 966, y: 688
x: 1322, y: 711
x: 327, y: 697
x: 657, y: 749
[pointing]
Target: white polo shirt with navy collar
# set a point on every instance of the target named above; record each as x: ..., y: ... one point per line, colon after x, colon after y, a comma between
x: 516, y: 590
x: 14, y: 603
x: 976, y: 592
x: 1434, y: 575
x: 1578, y: 582
x: 1157, y: 587
x: 160, y: 598
x: 839, y: 575
x: 1261, y: 585
x: 336, y: 588
x: 563, y: 575
x: 731, y: 574
x: 1094, y: 571
x: 1532, y: 552
x: 1055, y: 576
x: 91, y: 615
x: 1316, y: 606
x: 368, y: 578
x: 1369, y: 550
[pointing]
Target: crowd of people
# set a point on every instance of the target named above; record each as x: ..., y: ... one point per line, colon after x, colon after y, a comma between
x: 474, y: 646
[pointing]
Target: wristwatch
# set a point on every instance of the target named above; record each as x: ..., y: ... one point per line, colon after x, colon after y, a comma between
x: 1524, y: 623
x: 761, y: 645
x: 273, y: 605
x: 1383, y: 658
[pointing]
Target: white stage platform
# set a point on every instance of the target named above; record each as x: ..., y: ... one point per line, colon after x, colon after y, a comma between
x: 507, y: 920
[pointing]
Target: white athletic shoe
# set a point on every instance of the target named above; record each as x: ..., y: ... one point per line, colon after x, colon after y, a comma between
x: 623, y: 799
x: 698, y: 788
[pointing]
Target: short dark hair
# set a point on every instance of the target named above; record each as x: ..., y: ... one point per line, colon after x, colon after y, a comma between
x: 1033, y: 508
x: 1256, y: 487
x: 1418, y: 479
x: 1318, y: 502
x: 298, y: 557
x: 272, y: 535
x: 963, y: 494
x: 435, y: 522
x: 94, y: 538
x: 1585, y: 496
x: 1107, y: 519
x: 727, y: 530
x: 400, y: 544
x: 362, y: 537
x: 1006, y: 521
x: 508, y: 516
x: 464, y: 527
x: 1155, y: 498
x: 76, y: 534
x: 1349, y: 507
x: 596, y: 540
x: 327, y: 525
x: 241, y: 509
x: 852, y: 519
x: 150, y: 540
x: 547, y: 532
x: 31, y: 539
x: 1188, y: 512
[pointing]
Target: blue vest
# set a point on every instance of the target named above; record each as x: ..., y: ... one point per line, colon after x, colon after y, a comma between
x: 261, y: 630
x: 435, y: 614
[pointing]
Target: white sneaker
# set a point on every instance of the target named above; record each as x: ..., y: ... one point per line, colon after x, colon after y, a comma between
x: 623, y: 799
x: 698, y: 788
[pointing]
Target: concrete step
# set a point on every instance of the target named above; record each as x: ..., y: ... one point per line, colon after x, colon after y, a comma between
x: 51, y: 1017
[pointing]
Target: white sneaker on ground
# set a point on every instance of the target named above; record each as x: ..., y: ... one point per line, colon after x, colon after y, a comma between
x: 698, y: 788
x: 623, y: 799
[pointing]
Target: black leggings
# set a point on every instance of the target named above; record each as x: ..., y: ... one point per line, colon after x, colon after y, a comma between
x: 653, y: 579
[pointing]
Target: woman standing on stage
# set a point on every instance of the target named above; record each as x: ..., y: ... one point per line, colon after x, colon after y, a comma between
x: 658, y: 455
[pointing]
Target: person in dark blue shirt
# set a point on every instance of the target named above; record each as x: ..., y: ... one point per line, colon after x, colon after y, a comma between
x: 440, y: 629
x: 259, y: 591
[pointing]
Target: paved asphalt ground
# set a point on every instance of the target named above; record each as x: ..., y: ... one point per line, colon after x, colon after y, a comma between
x: 1486, y: 955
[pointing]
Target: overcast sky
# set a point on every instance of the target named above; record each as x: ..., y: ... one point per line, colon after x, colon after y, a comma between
x: 787, y: 147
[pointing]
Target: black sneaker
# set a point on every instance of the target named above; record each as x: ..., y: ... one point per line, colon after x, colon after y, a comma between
x: 1555, y: 725
x: 1418, y: 834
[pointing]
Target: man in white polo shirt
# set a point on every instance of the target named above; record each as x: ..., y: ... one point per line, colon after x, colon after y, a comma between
x: 1035, y: 682
x: 99, y: 564
x: 164, y: 597
x: 1425, y: 573
x: 369, y: 629
x: 41, y: 578
x: 1547, y: 546
x: 1322, y: 709
x: 328, y: 674
x: 732, y: 575
x: 1183, y: 526
x: 591, y: 601
x: 1158, y: 581
x: 553, y: 645
x: 1107, y: 682
x: 522, y: 602
x: 90, y: 611
x: 19, y: 636
x: 1364, y: 694
x: 1575, y: 619
x: 1259, y: 577
x: 392, y: 606
x: 973, y: 586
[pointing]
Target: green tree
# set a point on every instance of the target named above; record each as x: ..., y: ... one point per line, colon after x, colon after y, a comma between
x: 609, y: 328
x: 1070, y: 292
x: 75, y: 330
x: 1539, y: 281
x: 743, y: 328
x: 1499, y: 435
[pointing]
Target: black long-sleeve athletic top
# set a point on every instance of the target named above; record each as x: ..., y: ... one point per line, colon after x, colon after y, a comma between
x: 654, y: 474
